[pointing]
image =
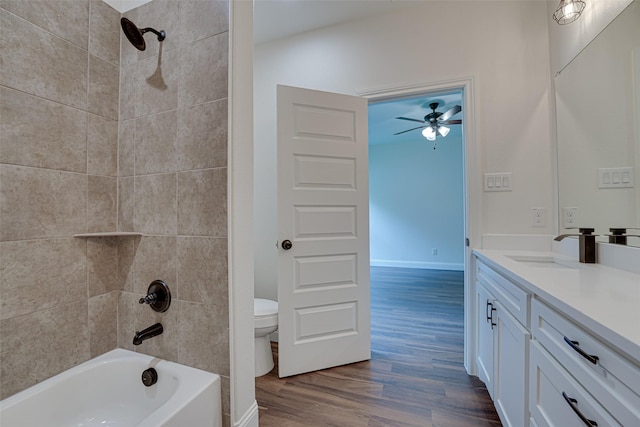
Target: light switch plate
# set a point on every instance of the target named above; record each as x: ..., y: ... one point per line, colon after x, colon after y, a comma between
x: 497, y: 181
x: 615, y: 177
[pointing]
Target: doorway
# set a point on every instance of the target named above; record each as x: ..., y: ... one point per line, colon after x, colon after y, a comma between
x: 471, y: 192
x: 416, y: 197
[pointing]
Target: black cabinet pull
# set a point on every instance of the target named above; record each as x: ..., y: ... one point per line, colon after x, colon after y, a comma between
x: 574, y: 405
x: 576, y: 346
x: 490, y: 313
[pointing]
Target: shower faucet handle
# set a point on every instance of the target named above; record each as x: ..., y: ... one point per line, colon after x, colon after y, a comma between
x: 158, y: 296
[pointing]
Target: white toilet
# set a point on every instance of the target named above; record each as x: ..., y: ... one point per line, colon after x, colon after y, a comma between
x: 265, y: 321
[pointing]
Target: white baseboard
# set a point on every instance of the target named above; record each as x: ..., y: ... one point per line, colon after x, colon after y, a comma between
x: 417, y: 264
x: 250, y: 418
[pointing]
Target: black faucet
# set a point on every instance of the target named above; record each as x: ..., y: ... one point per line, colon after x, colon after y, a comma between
x: 150, y: 332
x: 587, y: 244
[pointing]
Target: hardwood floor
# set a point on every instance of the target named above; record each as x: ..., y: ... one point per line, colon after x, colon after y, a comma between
x: 415, y: 376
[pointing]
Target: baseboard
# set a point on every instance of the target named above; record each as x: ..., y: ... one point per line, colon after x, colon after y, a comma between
x: 417, y: 264
x: 250, y: 418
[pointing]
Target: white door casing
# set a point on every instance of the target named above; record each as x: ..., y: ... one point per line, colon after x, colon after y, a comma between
x: 323, y: 209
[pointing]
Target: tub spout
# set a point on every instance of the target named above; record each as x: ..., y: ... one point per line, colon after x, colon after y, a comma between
x: 150, y: 332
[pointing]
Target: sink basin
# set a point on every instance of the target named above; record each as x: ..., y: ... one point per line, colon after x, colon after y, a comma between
x: 539, y: 261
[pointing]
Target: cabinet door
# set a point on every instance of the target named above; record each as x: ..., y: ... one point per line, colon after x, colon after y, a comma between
x: 484, y: 334
x: 557, y: 400
x: 511, y: 355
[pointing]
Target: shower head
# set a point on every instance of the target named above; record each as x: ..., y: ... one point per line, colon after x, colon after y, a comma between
x: 135, y: 34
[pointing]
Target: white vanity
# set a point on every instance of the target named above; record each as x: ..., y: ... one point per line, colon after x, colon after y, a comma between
x: 558, y: 341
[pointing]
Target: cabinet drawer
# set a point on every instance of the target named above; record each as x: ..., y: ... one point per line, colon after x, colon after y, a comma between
x: 551, y: 387
x: 511, y: 296
x: 612, y: 380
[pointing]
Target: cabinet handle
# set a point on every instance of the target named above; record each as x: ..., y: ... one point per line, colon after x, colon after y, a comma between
x: 576, y: 346
x: 490, y: 313
x: 574, y: 405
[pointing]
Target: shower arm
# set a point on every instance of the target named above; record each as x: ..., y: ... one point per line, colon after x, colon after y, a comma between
x: 161, y: 34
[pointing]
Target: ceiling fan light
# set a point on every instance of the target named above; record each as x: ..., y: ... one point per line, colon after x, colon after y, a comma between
x: 429, y: 133
x: 568, y: 11
x: 443, y: 131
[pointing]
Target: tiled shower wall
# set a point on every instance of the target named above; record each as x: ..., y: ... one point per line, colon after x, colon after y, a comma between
x: 97, y: 136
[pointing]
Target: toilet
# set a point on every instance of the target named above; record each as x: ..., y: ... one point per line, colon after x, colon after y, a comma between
x: 265, y: 322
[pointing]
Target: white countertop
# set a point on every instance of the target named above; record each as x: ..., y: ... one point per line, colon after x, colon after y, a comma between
x: 603, y: 299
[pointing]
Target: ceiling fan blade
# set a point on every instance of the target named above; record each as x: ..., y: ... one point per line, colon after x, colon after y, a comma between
x: 450, y: 122
x: 452, y: 112
x: 409, y: 130
x: 410, y: 119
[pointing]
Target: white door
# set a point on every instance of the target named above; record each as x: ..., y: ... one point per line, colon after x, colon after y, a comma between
x: 323, y: 211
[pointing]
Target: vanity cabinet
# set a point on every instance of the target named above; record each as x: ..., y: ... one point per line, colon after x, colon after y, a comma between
x: 503, y: 343
x: 558, y: 347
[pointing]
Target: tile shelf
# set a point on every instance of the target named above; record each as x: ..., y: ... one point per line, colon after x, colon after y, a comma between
x: 109, y: 234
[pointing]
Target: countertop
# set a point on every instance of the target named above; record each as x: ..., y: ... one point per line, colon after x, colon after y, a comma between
x: 604, y: 300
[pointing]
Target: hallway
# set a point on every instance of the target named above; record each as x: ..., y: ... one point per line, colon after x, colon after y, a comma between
x: 415, y: 376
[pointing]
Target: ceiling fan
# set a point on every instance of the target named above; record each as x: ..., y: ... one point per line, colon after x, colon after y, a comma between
x: 434, y: 122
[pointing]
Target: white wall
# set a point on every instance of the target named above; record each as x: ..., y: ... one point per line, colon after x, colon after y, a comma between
x: 416, y: 203
x: 503, y: 45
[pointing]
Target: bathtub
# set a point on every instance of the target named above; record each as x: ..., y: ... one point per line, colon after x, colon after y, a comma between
x: 108, y: 391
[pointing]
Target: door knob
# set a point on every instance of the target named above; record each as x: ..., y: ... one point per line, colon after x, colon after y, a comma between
x: 286, y: 245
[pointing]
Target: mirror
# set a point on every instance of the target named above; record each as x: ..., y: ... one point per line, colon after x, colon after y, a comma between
x: 598, y: 131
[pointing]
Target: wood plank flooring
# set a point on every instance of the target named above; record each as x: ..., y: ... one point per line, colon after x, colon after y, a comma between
x: 415, y: 376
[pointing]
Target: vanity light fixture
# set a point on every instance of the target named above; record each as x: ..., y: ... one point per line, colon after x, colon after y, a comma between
x: 568, y: 11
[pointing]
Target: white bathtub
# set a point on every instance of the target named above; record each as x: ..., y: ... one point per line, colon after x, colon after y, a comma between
x: 107, y: 391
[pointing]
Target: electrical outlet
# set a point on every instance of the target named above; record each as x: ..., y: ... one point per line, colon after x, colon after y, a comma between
x: 434, y: 251
x: 569, y: 217
x: 537, y: 217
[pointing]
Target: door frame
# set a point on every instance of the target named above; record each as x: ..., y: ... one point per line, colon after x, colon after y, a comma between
x: 472, y: 186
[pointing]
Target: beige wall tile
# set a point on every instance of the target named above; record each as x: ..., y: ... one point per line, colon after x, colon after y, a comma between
x: 38, y: 203
x: 126, y: 148
x: 155, y: 204
x: 42, y: 65
x: 202, y: 136
x: 159, y: 15
x: 66, y: 19
x: 127, y: 248
x: 203, y: 337
x: 201, y: 19
x: 155, y: 147
x: 102, y: 214
x: 40, y: 274
x: 202, y: 270
x: 39, y: 345
x: 202, y: 202
x: 127, y: 307
x: 155, y: 258
x: 102, y: 266
x: 126, y: 204
x: 104, y: 84
x: 104, y: 37
x: 102, y: 146
x: 157, y: 83
x: 128, y: 90
x: 226, y: 393
x: 203, y: 71
x: 40, y: 133
x: 103, y: 323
